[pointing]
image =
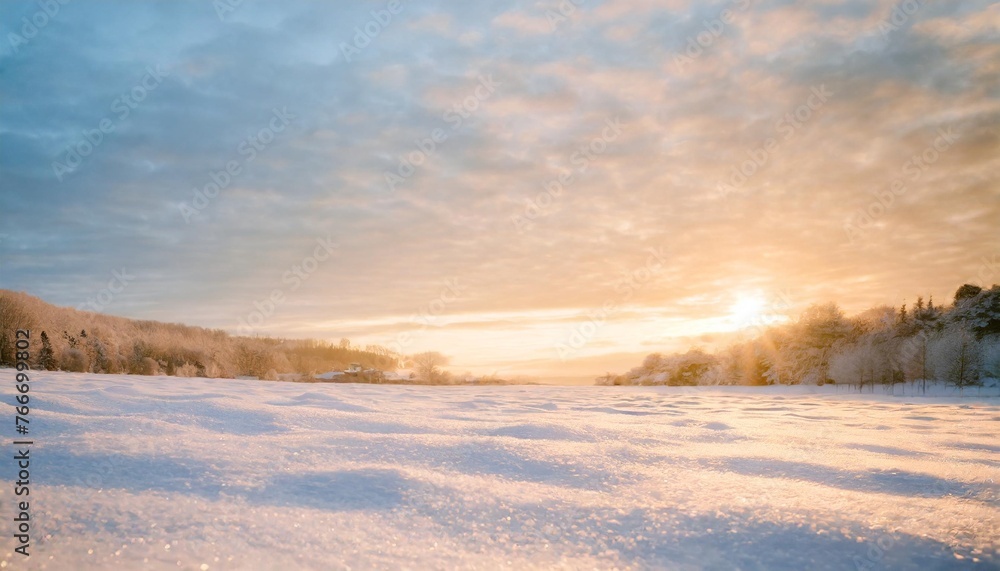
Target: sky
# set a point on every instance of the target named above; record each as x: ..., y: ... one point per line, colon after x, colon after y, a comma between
x: 531, y: 188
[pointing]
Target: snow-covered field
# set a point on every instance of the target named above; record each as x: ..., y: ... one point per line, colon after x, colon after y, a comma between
x: 170, y: 473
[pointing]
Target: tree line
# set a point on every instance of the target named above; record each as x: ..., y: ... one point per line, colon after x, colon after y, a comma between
x: 71, y: 340
x: 958, y: 344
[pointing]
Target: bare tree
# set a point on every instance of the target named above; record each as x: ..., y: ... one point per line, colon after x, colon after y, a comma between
x: 427, y: 365
x: 956, y: 357
x: 252, y: 359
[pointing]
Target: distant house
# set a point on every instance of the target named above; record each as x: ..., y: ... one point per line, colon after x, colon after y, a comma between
x: 353, y: 369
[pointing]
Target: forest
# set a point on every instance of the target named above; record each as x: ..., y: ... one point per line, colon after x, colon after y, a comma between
x: 86, y: 342
x: 958, y: 344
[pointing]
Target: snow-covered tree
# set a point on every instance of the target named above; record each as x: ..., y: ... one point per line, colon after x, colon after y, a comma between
x: 74, y: 360
x: 980, y: 313
x: 956, y: 357
x: 428, y: 365
x: 14, y: 315
x: 870, y: 360
x: 991, y: 356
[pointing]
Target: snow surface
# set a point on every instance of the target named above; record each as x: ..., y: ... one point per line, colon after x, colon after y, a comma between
x: 171, y: 473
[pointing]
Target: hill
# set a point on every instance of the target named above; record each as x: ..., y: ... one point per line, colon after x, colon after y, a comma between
x: 81, y: 341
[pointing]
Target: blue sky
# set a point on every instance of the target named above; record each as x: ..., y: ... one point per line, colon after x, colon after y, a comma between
x: 866, y: 133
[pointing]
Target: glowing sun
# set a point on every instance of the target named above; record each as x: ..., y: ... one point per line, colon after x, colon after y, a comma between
x: 748, y: 309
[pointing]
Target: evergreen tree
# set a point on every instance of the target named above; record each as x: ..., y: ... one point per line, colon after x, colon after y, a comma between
x: 99, y: 356
x: 967, y: 291
x: 46, y: 357
x: 926, y: 318
x: 980, y: 314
